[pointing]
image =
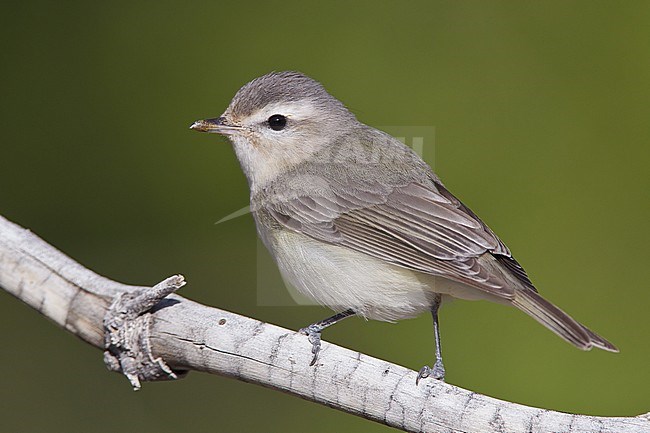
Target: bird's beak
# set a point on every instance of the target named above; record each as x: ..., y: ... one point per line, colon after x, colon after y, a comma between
x: 218, y: 125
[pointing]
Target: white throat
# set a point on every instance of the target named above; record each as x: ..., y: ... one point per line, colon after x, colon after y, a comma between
x: 263, y: 164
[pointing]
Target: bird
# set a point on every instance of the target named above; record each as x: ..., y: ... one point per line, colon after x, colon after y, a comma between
x: 358, y: 222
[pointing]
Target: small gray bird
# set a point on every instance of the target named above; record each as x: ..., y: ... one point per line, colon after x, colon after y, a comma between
x: 358, y: 222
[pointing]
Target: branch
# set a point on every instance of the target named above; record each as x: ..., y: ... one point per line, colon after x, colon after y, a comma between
x: 147, y: 337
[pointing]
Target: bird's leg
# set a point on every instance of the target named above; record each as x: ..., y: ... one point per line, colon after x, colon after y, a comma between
x: 314, y: 330
x: 438, y: 371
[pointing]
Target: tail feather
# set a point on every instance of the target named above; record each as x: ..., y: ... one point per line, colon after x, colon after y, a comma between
x: 600, y: 342
x: 559, y: 322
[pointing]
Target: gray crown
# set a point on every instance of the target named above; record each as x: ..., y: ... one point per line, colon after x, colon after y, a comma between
x: 287, y: 86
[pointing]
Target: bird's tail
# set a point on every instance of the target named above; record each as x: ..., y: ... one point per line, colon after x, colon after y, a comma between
x: 559, y: 322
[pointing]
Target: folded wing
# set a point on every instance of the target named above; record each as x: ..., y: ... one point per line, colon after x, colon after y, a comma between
x: 415, y: 226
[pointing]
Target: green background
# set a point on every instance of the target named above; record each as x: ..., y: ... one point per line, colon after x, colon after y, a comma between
x: 541, y: 112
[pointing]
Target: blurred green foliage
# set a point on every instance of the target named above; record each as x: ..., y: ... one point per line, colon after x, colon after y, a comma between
x: 541, y: 113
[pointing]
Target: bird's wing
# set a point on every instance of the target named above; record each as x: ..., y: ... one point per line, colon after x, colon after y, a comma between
x: 416, y: 226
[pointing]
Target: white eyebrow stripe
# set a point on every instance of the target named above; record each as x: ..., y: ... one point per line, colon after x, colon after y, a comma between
x: 293, y: 110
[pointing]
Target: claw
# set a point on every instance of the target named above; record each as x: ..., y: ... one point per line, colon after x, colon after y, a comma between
x: 313, y: 334
x: 437, y: 372
x: 313, y: 331
x: 423, y: 374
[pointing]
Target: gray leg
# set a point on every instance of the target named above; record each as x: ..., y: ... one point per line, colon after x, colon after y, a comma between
x: 438, y: 371
x: 313, y: 331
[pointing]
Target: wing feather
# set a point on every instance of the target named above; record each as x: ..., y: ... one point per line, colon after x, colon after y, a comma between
x: 419, y: 227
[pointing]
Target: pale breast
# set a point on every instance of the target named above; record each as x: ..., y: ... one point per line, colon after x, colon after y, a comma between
x: 341, y: 278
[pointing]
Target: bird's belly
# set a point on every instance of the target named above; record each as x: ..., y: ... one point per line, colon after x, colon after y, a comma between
x: 341, y: 278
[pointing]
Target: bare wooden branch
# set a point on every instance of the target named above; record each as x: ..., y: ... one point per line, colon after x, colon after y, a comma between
x: 149, y: 338
x: 127, y: 326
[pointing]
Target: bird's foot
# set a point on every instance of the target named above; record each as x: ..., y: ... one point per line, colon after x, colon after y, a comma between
x: 313, y: 334
x: 437, y: 372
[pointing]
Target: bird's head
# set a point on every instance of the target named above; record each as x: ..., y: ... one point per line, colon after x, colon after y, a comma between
x: 277, y: 121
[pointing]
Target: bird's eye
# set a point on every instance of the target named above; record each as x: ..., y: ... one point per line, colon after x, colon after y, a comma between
x: 277, y: 122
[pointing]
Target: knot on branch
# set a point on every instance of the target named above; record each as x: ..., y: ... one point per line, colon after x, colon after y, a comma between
x: 126, y: 339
